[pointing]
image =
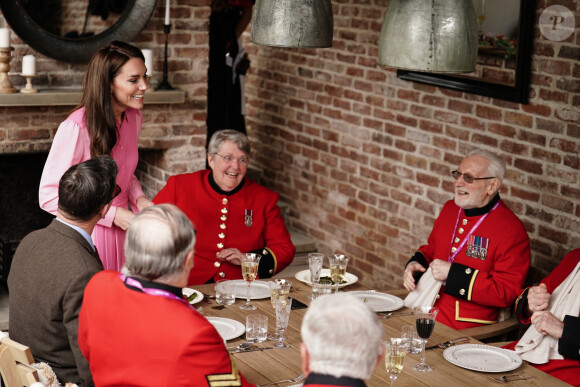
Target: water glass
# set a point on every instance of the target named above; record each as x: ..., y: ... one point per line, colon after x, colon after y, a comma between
x: 256, y: 328
x: 285, y: 285
x: 338, y: 263
x: 283, y: 306
x: 412, y: 340
x: 315, y: 261
x: 225, y: 292
x: 319, y: 289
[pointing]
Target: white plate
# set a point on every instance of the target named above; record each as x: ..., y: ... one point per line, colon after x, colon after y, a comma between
x: 259, y: 289
x: 188, y: 292
x: 304, y: 276
x: 378, y: 302
x: 226, y: 327
x: 484, y: 358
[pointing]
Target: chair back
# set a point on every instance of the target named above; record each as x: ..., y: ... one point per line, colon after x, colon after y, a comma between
x: 15, y: 364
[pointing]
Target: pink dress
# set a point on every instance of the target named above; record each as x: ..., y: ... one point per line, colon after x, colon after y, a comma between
x: 71, y: 145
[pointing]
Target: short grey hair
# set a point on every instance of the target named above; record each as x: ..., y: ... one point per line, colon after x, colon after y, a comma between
x: 496, y: 165
x: 157, y: 243
x: 234, y: 136
x: 343, y: 336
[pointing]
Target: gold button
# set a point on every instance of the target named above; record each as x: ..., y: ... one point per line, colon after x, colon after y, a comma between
x: 264, y: 252
x: 453, y: 249
x: 464, y: 222
x: 460, y: 230
x: 217, y: 263
x: 224, y: 201
x: 462, y: 292
x: 223, y: 218
x: 224, y: 210
x: 468, y: 271
x: 222, y: 274
x: 222, y: 235
x: 456, y: 240
x: 223, y: 226
x: 220, y: 245
x: 271, y: 271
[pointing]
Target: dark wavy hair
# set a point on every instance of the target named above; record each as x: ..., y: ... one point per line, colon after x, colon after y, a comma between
x: 97, y: 98
x: 86, y: 188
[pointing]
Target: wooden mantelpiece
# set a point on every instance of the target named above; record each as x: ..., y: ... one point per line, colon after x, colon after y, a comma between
x: 72, y: 97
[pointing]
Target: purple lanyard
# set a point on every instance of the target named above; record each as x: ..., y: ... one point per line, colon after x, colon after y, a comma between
x: 464, y: 241
x: 151, y: 291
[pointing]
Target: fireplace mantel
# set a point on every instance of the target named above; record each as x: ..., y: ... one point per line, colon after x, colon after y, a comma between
x: 72, y: 97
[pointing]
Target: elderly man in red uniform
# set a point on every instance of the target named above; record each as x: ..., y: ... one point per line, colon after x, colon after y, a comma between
x: 135, y: 328
x: 477, y: 246
x: 232, y: 214
x: 552, y: 341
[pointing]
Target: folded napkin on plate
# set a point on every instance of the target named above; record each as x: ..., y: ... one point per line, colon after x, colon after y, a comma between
x: 425, y: 293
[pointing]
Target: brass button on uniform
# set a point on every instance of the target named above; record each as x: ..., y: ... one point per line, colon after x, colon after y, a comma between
x: 224, y: 210
x: 464, y: 222
x: 462, y: 292
x: 224, y: 201
x: 264, y: 252
x: 222, y: 235
x: 223, y: 226
x: 220, y: 245
x: 271, y: 271
x: 456, y: 240
x: 217, y: 263
x: 460, y: 230
x: 468, y: 271
x: 223, y: 218
x: 453, y: 249
x: 222, y: 274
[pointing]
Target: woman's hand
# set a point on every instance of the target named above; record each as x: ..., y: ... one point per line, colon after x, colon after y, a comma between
x: 143, y: 202
x: 410, y: 270
x: 538, y: 298
x: 548, y: 324
x: 123, y: 218
x: 233, y: 256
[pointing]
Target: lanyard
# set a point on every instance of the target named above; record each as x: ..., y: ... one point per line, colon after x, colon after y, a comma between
x: 151, y: 291
x: 464, y: 241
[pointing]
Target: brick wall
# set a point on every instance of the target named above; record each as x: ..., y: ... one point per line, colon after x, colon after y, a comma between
x: 361, y: 157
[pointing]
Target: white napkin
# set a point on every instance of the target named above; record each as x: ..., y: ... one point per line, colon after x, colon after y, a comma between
x: 426, y: 291
x: 534, y: 346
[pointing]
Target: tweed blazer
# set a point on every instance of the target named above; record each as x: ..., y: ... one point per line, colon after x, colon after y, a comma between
x: 46, y: 283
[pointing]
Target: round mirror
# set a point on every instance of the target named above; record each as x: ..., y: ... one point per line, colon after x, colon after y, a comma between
x: 73, y: 29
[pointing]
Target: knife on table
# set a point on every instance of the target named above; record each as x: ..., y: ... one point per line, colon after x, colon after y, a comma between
x: 250, y: 349
x: 449, y: 343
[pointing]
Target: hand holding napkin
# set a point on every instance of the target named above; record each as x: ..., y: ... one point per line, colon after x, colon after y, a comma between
x: 425, y: 293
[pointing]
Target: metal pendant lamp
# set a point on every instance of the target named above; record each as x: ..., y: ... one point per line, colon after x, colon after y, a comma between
x: 429, y: 35
x: 292, y: 23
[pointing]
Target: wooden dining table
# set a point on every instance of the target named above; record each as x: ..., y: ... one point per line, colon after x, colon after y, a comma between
x: 277, y: 364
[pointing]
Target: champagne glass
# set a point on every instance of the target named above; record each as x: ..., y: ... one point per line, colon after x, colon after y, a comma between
x: 425, y: 322
x: 250, y: 262
x: 394, y: 358
x: 338, y: 264
x: 283, y: 304
x: 315, y: 261
x: 278, y: 287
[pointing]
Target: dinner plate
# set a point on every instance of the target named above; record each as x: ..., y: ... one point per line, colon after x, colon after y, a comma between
x: 259, y: 289
x: 484, y: 358
x: 304, y: 276
x: 378, y: 302
x: 226, y: 327
x: 188, y: 292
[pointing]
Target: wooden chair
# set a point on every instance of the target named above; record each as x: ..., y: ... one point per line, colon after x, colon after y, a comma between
x: 15, y: 361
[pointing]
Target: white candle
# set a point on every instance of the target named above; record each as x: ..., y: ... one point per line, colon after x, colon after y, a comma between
x: 167, y: 12
x: 28, y: 65
x: 4, y: 37
x: 148, y: 54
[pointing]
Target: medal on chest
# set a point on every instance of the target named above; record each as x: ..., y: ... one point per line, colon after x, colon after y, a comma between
x: 248, y: 221
x: 477, y: 247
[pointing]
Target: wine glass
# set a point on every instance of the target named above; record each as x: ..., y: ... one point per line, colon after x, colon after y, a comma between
x: 283, y: 304
x: 338, y: 264
x: 250, y: 262
x: 425, y: 322
x: 278, y: 287
x: 394, y: 358
x: 315, y: 261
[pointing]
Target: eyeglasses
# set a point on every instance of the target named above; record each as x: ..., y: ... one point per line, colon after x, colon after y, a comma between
x: 468, y: 178
x: 229, y: 160
x: 116, y: 192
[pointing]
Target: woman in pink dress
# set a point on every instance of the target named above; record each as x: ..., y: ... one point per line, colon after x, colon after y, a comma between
x: 107, y: 121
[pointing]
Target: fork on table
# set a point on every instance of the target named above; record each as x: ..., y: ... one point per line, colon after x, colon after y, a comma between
x: 297, y: 379
x: 511, y: 377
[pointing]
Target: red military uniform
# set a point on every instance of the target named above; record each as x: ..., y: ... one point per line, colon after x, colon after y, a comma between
x: 131, y: 338
x: 490, y: 268
x: 567, y: 369
x: 246, y: 218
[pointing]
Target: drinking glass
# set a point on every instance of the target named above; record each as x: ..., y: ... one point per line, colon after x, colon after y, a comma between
x: 256, y: 328
x: 250, y: 262
x: 225, y: 292
x: 285, y: 285
x: 319, y: 289
x: 409, y: 335
x: 394, y: 359
x: 338, y: 264
x: 283, y: 304
x: 315, y: 261
x: 274, y: 292
x: 425, y: 322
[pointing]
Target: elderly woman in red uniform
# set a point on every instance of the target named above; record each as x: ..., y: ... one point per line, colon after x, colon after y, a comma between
x: 232, y: 214
x: 551, y: 310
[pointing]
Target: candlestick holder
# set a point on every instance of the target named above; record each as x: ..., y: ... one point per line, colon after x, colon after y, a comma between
x: 164, y: 85
x: 5, y: 58
x: 28, y: 89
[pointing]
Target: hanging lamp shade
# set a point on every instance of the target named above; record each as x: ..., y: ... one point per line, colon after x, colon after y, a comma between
x: 292, y: 23
x: 429, y: 35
